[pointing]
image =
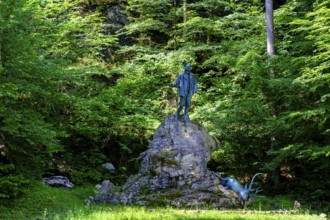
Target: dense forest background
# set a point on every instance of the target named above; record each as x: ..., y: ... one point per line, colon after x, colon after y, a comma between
x: 83, y: 82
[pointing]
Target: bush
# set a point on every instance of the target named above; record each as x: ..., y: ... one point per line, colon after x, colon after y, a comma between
x: 10, y: 184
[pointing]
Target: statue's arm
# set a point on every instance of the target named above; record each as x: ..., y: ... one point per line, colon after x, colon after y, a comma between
x: 177, y: 82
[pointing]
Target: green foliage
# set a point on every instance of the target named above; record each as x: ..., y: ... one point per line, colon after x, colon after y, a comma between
x: 26, y: 93
x: 271, y: 115
x: 212, y: 8
x: 71, y: 32
x: 304, y: 113
x: 11, y: 184
x: 104, y: 2
x: 37, y: 80
x: 66, y: 109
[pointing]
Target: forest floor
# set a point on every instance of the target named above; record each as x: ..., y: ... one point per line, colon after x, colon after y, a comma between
x: 43, y: 202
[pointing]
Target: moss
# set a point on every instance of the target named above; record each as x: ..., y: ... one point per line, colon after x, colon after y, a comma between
x: 166, y: 157
x: 161, y: 197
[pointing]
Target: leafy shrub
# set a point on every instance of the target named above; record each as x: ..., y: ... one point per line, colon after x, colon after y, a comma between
x: 11, y: 184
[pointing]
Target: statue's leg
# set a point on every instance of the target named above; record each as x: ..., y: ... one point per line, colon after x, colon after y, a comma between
x: 179, y: 108
x: 178, y: 112
x: 186, y: 109
x: 185, y: 116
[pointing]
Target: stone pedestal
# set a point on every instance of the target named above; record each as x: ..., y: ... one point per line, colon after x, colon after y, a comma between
x: 174, y: 172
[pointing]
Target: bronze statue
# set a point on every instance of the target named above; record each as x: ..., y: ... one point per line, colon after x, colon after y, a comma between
x: 187, y: 86
x: 233, y: 184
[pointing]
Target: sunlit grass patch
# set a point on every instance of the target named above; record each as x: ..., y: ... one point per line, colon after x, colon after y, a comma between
x: 142, y: 213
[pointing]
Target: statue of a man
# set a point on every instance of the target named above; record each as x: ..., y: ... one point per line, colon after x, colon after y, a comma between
x: 187, y: 86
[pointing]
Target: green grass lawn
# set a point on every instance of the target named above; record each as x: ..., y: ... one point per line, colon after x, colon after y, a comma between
x: 46, y: 203
x: 142, y: 213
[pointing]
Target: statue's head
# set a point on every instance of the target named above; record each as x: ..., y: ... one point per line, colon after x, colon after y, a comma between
x: 187, y: 67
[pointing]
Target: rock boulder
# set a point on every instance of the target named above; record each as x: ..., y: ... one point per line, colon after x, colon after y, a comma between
x: 174, y: 172
x: 58, y: 181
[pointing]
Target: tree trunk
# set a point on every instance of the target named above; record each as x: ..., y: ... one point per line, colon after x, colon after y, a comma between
x: 184, y: 18
x: 184, y: 11
x: 270, y: 28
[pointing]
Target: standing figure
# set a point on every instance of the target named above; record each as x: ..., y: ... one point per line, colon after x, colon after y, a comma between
x: 187, y: 86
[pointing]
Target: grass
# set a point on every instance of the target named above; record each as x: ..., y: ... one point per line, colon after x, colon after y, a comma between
x: 46, y: 203
x: 142, y: 213
x: 39, y: 197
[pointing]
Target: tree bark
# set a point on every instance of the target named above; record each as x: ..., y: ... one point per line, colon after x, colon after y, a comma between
x: 270, y: 28
x: 184, y: 11
x: 184, y: 18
